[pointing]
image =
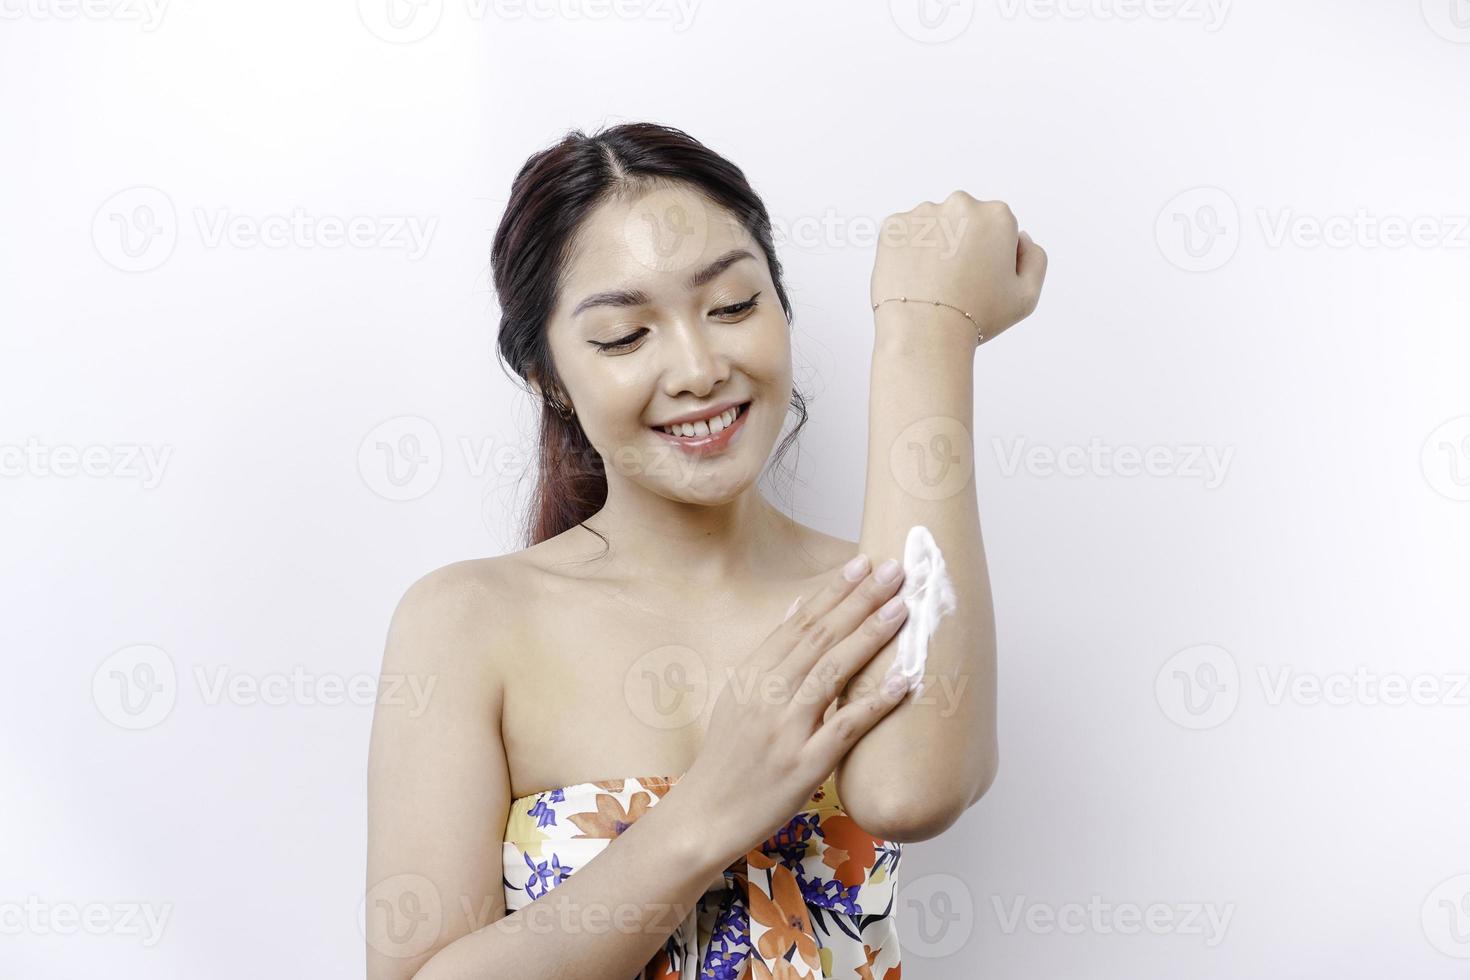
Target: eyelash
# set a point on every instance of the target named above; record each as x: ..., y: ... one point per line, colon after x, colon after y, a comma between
x: 628, y: 341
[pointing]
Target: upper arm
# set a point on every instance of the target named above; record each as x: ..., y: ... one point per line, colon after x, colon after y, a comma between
x: 438, y: 782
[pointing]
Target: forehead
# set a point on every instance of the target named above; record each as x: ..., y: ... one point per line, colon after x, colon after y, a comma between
x: 652, y: 240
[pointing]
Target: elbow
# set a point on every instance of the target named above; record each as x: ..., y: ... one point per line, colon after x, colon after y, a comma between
x: 917, y: 823
x: 912, y: 817
x: 920, y: 809
x: 986, y: 779
x: 926, y: 819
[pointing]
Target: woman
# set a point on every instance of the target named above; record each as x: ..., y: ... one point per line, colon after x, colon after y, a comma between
x: 674, y: 677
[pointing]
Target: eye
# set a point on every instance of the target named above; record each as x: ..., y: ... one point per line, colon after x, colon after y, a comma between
x: 735, y: 310
x: 622, y: 344
x: 738, y: 308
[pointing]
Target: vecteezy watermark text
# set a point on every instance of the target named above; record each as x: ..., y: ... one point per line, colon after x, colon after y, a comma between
x: 137, y: 229
x: 1206, y: 919
x: 1210, y: 13
x: 36, y: 917
x: 126, y: 461
x: 1187, y: 461
x: 148, y: 14
x: 137, y: 687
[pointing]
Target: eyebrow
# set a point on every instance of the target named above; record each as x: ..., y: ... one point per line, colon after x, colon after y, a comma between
x: 636, y: 297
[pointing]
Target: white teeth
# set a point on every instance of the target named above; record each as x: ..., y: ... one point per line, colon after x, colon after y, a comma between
x: 704, y: 427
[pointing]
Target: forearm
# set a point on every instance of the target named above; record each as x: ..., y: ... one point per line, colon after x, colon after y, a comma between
x: 608, y: 919
x: 914, y: 772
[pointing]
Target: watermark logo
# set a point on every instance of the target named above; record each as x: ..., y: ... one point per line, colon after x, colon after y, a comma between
x: 400, y: 21
x: 1199, y: 229
x: 932, y: 21
x: 1445, y: 916
x: 404, y: 457
x: 933, y: 458
x: 1198, y: 687
x: 136, y: 687
x: 672, y: 687
x: 1450, y: 19
x: 936, y: 914
x: 401, y: 459
x: 1201, y: 686
x: 667, y: 229
x: 135, y: 230
x: 1445, y: 459
x: 401, y: 915
x: 667, y: 687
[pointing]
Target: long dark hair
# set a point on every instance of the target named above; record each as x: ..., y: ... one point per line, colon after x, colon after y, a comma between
x: 555, y: 190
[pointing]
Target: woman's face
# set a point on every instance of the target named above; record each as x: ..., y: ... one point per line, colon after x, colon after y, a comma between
x: 667, y: 310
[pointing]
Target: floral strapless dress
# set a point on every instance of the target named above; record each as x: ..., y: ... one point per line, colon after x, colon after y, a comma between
x: 817, y: 899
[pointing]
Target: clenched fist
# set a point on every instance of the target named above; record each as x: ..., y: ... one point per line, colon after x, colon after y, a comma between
x: 965, y: 252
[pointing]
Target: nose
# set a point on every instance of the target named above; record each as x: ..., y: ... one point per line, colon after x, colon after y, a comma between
x: 693, y: 362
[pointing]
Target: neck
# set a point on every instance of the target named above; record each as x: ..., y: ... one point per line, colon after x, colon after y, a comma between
x: 655, y: 538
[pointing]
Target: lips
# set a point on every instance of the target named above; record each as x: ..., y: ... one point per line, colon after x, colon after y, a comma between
x: 711, y: 443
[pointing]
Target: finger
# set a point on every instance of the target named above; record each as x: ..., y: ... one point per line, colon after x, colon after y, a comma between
x: 795, y: 605
x: 1001, y: 212
x: 839, y: 733
x: 836, y: 669
x: 805, y: 615
x: 1030, y: 263
x: 840, y: 622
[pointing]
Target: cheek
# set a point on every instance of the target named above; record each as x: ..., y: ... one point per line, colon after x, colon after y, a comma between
x: 620, y: 400
x: 766, y: 351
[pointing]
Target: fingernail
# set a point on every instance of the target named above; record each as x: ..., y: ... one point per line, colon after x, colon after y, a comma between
x: 894, y: 684
x: 887, y: 572
x: 856, y: 568
x: 890, y: 609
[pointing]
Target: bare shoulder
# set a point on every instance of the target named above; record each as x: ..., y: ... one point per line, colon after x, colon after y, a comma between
x: 824, y: 551
x: 456, y: 620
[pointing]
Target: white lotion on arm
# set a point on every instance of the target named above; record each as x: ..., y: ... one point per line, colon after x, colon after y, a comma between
x: 929, y: 595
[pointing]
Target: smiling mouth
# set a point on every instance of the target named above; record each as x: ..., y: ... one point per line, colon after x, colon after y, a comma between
x: 697, y: 431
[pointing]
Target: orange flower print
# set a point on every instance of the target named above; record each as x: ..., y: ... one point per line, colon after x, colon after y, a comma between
x: 658, y: 787
x: 611, y: 819
x: 758, y: 859
x: 865, y: 972
x: 850, y: 850
x: 785, y: 917
x: 660, y: 967
x: 757, y: 971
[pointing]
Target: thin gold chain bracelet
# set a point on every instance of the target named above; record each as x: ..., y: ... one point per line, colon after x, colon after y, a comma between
x: 979, y: 337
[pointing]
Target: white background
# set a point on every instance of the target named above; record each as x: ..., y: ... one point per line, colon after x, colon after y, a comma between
x: 1145, y: 619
